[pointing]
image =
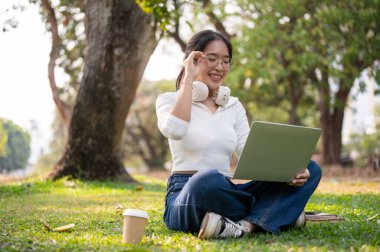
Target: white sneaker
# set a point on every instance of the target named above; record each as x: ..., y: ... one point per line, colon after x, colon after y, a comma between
x: 301, y: 221
x: 216, y: 226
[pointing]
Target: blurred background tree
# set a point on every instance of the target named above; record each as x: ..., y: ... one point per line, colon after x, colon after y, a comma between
x: 46, y: 161
x: 366, y: 147
x: 303, y: 57
x: 17, y: 147
x: 141, y: 139
x: 3, y: 139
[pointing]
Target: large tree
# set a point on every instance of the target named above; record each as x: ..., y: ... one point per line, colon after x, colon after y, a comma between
x: 120, y: 41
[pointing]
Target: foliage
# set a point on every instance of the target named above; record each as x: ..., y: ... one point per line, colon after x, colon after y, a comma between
x: 284, y: 44
x: 17, y: 147
x: 160, y: 9
x: 303, y: 57
x: 273, y: 63
x: 95, y: 208
x: 3, y: 139
x: 173, y: 17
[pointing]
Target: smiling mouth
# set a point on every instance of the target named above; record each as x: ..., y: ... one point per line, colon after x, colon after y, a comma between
x: 215, y: 77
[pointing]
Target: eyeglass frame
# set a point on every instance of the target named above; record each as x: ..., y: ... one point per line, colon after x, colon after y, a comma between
x: 222, y: 60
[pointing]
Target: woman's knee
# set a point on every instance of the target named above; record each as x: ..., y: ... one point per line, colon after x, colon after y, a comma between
x: 205, y: 181
x: 315, y: 170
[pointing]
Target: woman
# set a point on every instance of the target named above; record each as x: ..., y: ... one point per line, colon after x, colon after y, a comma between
x: 202, y: 137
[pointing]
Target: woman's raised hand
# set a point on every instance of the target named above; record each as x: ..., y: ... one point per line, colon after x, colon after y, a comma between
x: 191, y: 64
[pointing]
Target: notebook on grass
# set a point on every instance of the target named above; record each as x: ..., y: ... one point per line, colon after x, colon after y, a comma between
x: 276, y: 152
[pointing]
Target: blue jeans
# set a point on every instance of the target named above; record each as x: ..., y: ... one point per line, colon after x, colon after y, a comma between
x: 272, y: 206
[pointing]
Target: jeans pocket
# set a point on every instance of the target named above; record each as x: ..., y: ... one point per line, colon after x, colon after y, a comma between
x: 175, y: 186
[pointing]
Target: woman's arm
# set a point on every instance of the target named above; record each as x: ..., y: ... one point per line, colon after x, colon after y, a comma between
x: 182, y: 106
x: 241, y: 128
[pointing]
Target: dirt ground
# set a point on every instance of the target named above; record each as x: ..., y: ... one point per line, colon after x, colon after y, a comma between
x: 349, y: 180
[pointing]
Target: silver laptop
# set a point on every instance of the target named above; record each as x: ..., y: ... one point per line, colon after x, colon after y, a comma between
x: 276, y: 152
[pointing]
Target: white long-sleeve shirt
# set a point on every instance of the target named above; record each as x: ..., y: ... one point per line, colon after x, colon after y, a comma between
x: 208, y: 140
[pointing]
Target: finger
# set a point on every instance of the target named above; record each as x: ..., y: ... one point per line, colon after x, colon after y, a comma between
x: 197, y: 56
x: 304, y: 174
x: 193, y: 58
x: 298, y: 181
x: 301, y: 172
x: 301, y: 176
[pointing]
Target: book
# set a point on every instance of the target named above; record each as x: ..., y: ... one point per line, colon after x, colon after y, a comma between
x: 320, y: 217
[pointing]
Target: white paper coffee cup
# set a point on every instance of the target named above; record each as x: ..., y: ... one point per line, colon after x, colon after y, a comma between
x: 134, y: 225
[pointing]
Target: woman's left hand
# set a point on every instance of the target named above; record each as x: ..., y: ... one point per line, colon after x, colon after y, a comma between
x: 300, y: 179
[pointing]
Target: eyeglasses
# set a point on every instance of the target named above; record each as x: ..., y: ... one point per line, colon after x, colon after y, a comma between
x: 213, y: 60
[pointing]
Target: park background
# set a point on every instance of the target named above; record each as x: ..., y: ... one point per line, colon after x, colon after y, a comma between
x: 302, y: 62
x: 25, y: 47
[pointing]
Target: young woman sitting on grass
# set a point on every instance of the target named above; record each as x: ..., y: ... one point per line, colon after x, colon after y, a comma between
x: 202, y: 136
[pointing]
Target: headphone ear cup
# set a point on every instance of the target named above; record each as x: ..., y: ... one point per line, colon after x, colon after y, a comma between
x: 199, y: 91
x: 223, y: 95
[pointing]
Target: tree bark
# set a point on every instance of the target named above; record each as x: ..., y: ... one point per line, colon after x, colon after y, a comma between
x: 324, y: 108
x: 120, y: 43
x: 337, y: 122
x: 296, y: 90
x: 331, y: 120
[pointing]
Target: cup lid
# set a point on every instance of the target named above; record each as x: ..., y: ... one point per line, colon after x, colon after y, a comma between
x: 136, y: 213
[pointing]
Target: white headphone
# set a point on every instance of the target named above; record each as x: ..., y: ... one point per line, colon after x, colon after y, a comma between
x: 200, y: 93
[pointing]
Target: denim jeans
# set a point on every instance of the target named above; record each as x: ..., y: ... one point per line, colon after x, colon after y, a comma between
x: 272, y: 206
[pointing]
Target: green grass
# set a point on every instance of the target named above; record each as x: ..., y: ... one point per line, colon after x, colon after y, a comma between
x: 93, y: 208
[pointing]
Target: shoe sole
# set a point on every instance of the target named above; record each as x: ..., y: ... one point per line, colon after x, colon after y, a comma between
x: 207, y: 231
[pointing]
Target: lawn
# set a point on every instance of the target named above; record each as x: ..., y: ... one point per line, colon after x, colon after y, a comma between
x: 96, y: 210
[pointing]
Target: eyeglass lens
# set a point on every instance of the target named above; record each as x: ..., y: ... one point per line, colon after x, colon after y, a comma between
x: 214, y: 60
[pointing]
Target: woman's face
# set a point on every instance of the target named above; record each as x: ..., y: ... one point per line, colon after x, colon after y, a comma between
x: 215, y: 68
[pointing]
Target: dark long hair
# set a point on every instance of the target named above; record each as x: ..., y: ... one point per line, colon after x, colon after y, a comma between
x: 198, y: 42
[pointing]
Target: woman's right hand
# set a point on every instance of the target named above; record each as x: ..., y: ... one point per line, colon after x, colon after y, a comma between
x: 191, y: 64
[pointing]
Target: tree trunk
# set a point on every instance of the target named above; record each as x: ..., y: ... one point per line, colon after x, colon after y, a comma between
x: 337, y: 122
x: 120, y: 43
x: 332, y: 121
x: 324, y: 108
x: 296, y: 92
